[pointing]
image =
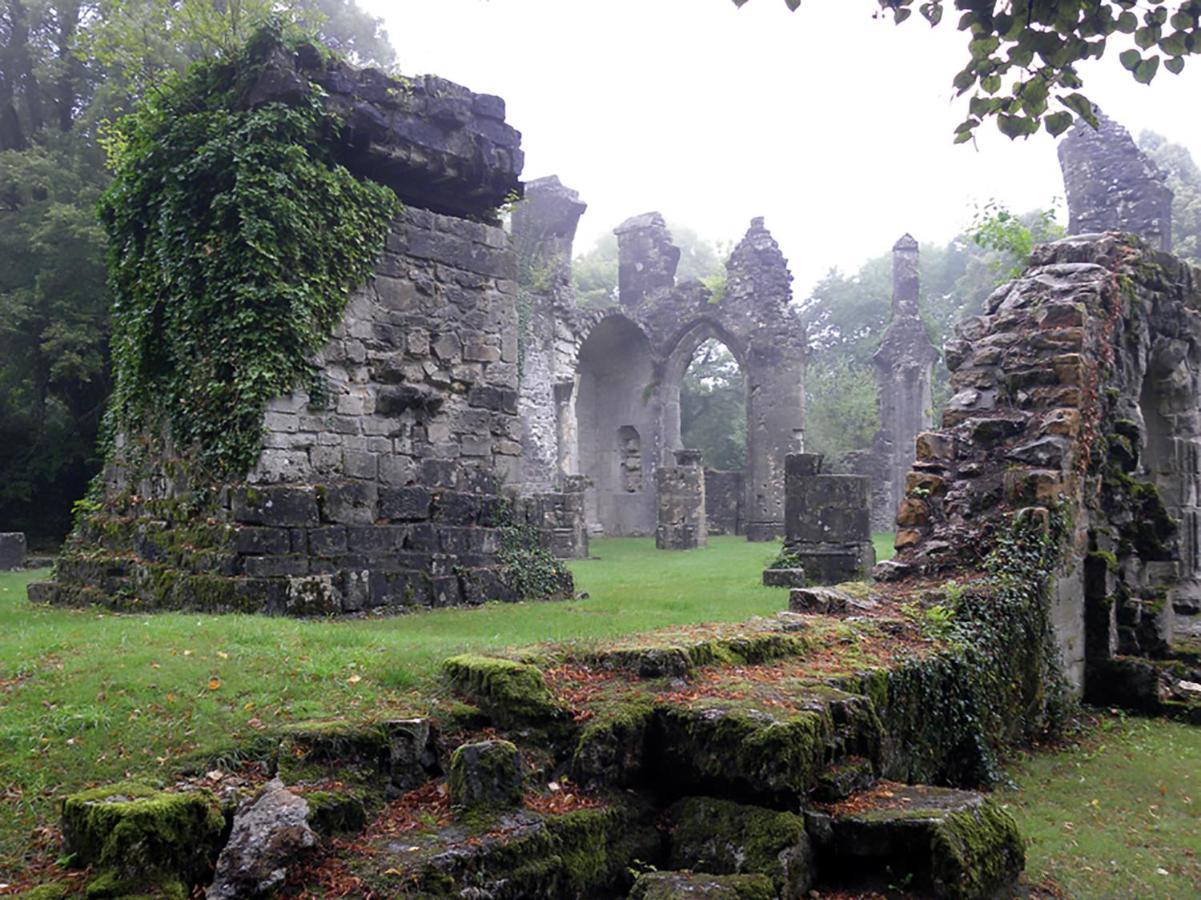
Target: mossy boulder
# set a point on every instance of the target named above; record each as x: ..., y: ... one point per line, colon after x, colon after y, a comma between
x: 945, y: 842
x: 401, y: 751
x: 486, y: 775
x: 696, y: 886
x: 611, y: 748
x: 722, y: 837
x: 513, y: 694
x: 137, y: 837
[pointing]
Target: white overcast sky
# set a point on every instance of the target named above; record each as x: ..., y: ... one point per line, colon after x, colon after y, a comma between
x: 833, y: 125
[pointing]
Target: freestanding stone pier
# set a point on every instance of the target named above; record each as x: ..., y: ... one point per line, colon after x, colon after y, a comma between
x: 681, y: 499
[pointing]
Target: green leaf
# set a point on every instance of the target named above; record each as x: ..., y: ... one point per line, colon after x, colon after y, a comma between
x: 1146, y: 37
x: 1146, y: 70
x: 900, y: 14
x: 1057, y: 123
x: 1130, y: 59
x: 793, y: 5
x: 932, y: 12
x: 1127, y: 22
x: 1175, y: 64
x: 1081, y: 106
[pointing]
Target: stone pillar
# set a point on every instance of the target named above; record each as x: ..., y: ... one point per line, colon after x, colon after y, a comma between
x: 681, y: 496
x: 827, y: 522
x: 758, y: 281
x: 1112, y: 185
x: 646, y: 258
x: 904, y: 371
x: 12, y: 550
x: 544, y: 226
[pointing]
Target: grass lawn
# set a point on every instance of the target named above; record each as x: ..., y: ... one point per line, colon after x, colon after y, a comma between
x: 87, y: 696
x: 1118, y: 815
x: 92, y: 696
x: 882, y: 541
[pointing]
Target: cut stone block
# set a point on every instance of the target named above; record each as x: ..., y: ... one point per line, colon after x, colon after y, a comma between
x: 486, y: 775
x: 698, y: 886
x: 726, y: 838
x: 786, y: 578
x: 945, y: 842
x: 12, y: 550
x: 136, y: 837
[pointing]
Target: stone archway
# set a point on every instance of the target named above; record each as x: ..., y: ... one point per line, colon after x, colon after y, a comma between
x: 617, y: 414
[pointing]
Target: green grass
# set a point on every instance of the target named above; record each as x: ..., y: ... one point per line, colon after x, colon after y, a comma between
x: 87, y: 696
x: 1118, y: 815
x: 882, y: 541
x: 90, y: 696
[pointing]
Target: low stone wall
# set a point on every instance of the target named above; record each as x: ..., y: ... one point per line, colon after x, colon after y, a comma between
x: 680, y: 494
x: 827, y: 520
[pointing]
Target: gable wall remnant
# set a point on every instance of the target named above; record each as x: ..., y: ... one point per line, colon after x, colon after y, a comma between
x: 617, y: 372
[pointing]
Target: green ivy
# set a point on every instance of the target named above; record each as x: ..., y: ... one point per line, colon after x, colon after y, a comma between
x: 528, y: 568
x: 234, y: 242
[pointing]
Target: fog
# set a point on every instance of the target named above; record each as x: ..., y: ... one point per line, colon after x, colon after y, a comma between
x: 835, y: 125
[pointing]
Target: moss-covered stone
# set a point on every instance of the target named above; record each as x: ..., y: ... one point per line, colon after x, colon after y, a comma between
x: 486, y: 775
x: 336, y: 812
x: 611, y: 749
x: 676, y: 655
x: 318, y: 750
x: 693, y: 886
x: 726, y: 838
x: 511, y: 693
x: 946, y: 842
x: 135, y: 835
x: 54, y: 891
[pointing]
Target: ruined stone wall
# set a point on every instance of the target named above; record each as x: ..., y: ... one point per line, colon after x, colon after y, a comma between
x: 389, y: 486
x: 1075, y: 393
x: 1111, y: 185
x: 680, y: 494
x: 828, y: 522
x: 616, y: 373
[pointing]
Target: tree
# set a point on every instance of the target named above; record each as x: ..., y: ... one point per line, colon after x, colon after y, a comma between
x: 713, y: 407
x: 67, y: 68
x: 1022, y: 54
x: 1184, y: 178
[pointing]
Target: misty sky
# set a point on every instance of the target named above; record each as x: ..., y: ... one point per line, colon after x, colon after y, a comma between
x: 835, y: 126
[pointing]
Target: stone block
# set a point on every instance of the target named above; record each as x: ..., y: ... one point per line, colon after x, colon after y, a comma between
x: 349, y: 502
x: 787, y: 578
x: 486, y: 775
x: 276, y: 506
x: 12, y: 550
x: 405, y: 504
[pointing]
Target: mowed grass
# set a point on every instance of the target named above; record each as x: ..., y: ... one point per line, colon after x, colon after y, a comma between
x: 1117, y: 815
x: 882, y: 541
x: 88, y: 696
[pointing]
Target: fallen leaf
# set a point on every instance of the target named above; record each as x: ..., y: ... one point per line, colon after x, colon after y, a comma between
x: 214, y: 684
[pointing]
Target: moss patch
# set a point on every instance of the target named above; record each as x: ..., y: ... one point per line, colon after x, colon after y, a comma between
x: 135, y: 835
x: 511, y: 693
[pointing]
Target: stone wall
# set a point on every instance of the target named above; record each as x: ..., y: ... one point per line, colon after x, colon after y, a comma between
x: 1075, y: 393
x: 389, y: 486
x: 12, y: 550
x: 616, y: 373
x: 724, y: 495
x: 1111, y: 185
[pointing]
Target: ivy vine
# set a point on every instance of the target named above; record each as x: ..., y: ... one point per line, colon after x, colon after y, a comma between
x: 234, y: 242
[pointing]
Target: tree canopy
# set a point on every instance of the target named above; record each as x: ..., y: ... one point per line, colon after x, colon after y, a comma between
x: 1022, y: 55
x: 68, y: 70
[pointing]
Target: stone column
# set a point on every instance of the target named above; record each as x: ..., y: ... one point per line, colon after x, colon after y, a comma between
x: 544, y: 226
x: 758, y: 281
x: 904, y: 371
x: 681, y: 496
x: 646, y: 258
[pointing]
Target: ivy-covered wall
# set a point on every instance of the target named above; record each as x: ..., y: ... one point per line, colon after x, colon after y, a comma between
x: 317, y: 407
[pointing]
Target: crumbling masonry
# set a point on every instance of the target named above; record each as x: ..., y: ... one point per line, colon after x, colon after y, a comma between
x: 600, y: 390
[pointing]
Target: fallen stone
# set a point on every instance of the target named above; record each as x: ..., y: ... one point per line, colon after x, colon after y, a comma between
x: 487, y: 775
x: 830, y: 601
x: 697, y: 886
x: 269, y: 831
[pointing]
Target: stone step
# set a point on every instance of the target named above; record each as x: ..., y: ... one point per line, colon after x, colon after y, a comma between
x: 940, y: 842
